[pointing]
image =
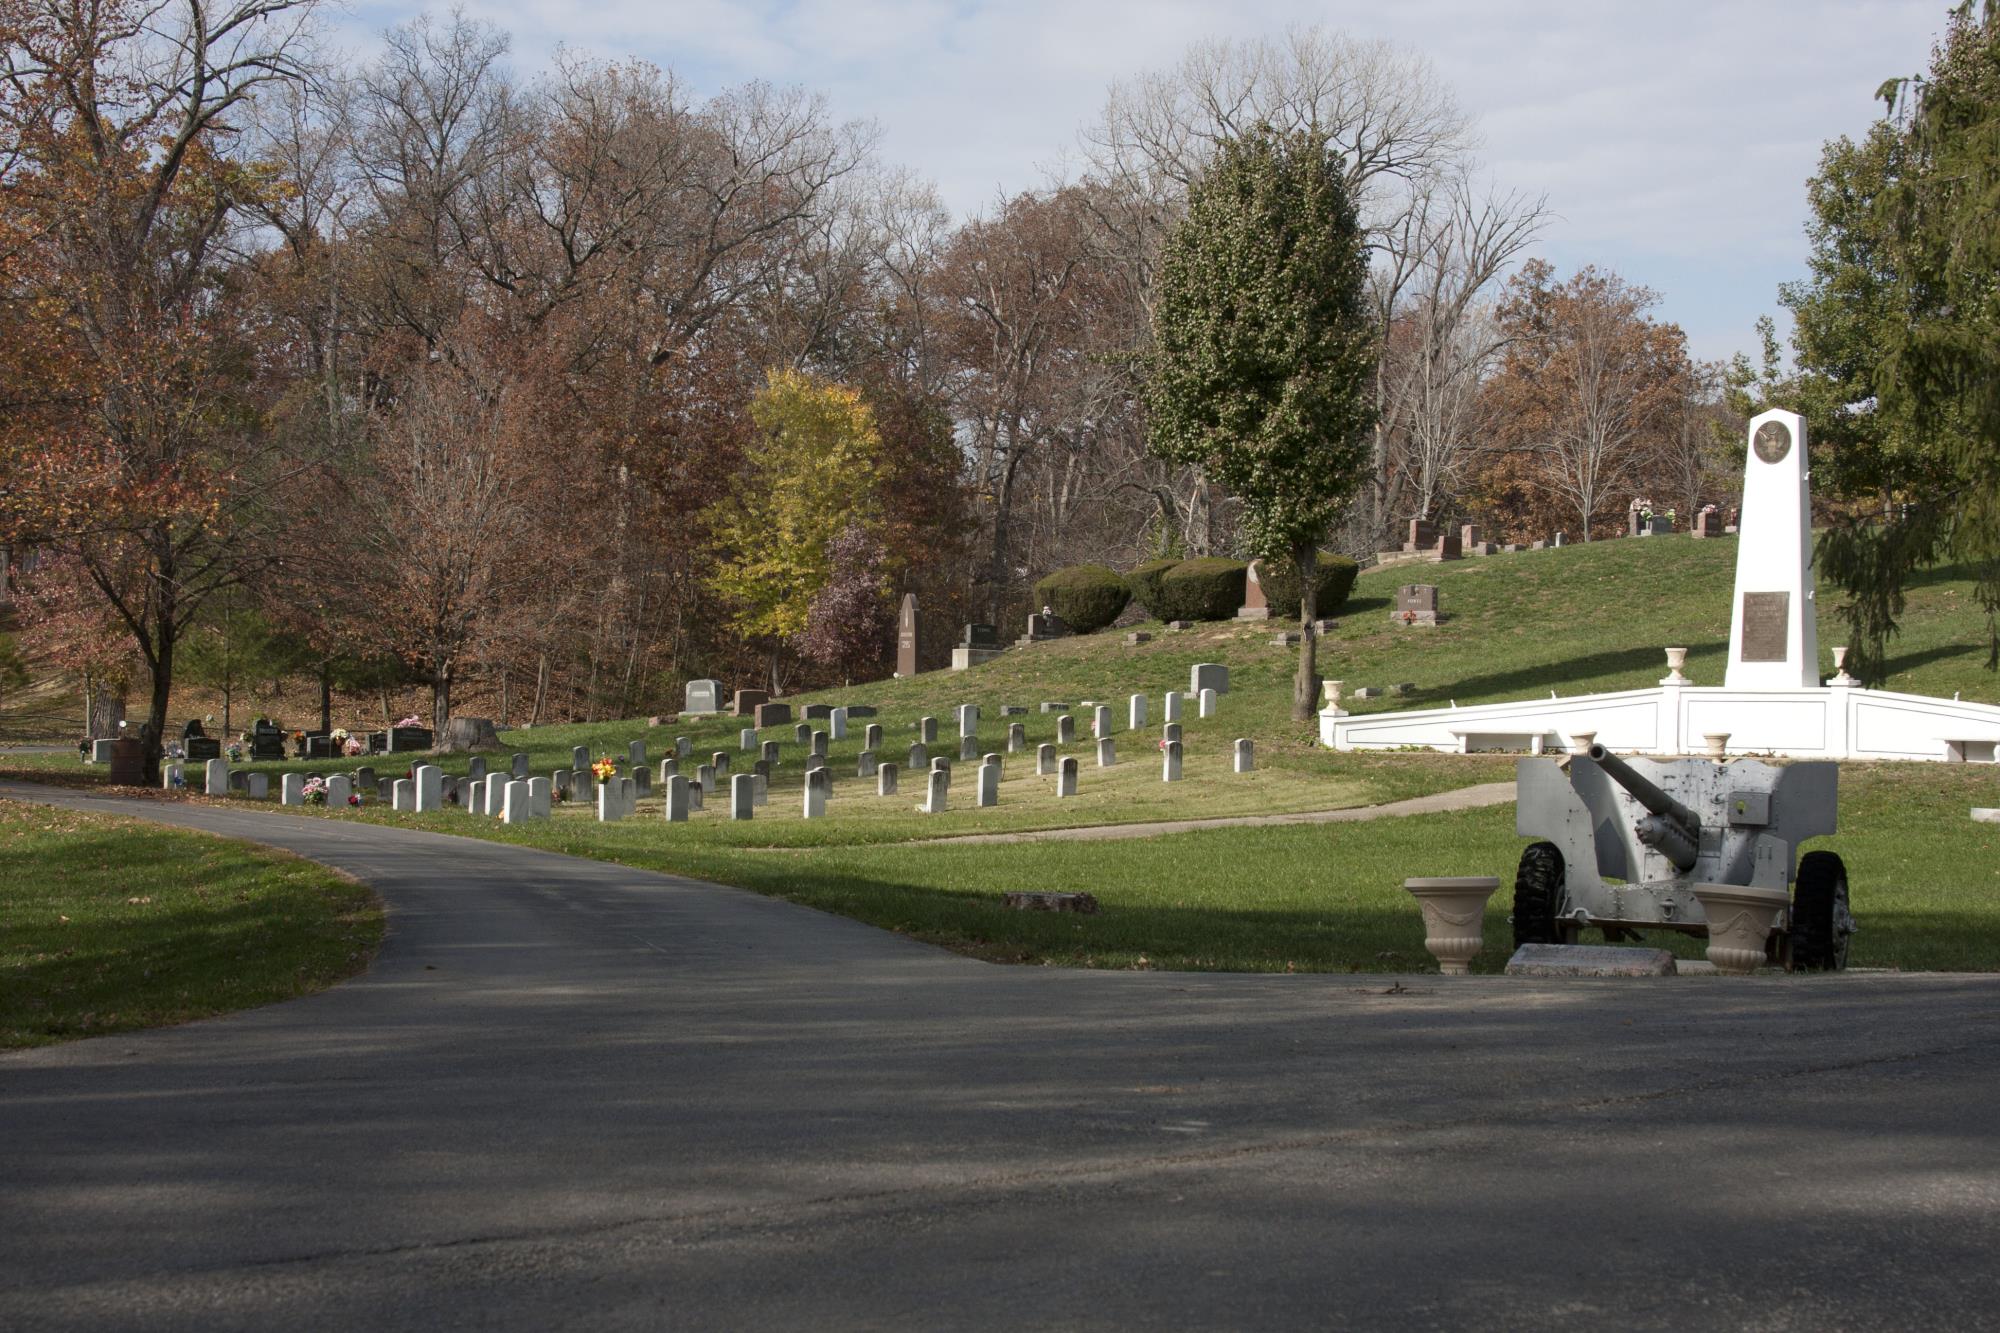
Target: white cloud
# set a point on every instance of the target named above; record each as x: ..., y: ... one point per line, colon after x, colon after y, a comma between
x: 1673, y: 141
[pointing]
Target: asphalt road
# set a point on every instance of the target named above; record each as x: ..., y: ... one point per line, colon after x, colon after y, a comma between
x: 572, y: 1095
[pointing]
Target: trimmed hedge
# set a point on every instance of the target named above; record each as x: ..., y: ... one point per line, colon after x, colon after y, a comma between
x: 1207, y: 588
x: 1087, y: 597
x: 1144, y: 582
x: 1280, y: 580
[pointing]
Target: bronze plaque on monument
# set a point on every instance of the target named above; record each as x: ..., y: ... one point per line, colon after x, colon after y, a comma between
x: 906, y: 637
x: 1766, y: 626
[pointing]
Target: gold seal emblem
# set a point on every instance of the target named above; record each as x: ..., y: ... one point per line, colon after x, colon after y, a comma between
x: 1773, y: 441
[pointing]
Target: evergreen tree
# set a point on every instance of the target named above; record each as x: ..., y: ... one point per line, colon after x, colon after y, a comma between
x: 1264, y: 351
x: 1898, y: 333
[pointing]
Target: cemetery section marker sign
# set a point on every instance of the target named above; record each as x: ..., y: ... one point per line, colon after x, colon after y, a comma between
x: 906, y: 637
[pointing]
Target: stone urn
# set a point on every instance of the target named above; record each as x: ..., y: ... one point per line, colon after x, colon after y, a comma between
x: 1676, y: 659
x: 1718, y: 744
x: 1454, y: 917
x: 1581, y: 741
x: 1840, y: 676
x: 1740, y: 918
x: 1330, y: 690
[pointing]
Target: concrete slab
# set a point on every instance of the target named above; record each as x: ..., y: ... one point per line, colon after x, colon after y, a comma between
x: 1589, y: 960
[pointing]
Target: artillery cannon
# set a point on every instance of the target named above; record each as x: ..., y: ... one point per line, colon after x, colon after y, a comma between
x: 1657, y: 828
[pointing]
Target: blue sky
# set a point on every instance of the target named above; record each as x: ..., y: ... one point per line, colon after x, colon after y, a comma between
x: 1673, y: 140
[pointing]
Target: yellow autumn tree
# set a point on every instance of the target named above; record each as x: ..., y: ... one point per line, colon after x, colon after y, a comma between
x: 812, y: 474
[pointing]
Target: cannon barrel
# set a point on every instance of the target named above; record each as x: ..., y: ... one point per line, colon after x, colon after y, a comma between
x: 1674, y: 830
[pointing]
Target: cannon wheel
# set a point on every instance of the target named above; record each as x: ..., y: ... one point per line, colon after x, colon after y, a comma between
x: 1821, y: 921
x: 1538, y: 892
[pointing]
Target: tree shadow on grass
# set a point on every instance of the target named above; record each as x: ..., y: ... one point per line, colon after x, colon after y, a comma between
x: 1591, y: 667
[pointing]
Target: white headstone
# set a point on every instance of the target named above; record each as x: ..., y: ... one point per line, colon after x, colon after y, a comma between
x: 1017, y: 738
x: 515, y: 804
x: 927, y: 730
x: 1065, y: 730
x: 683, y: 747
x: 742, y: 795
x: 257, y: 786
x: 816, y: 784
x: 541, y: 802
x: 636, y: 752
x: 1107, y: 752
x: 968, y: 720
x: 609, y: 807
x: 100, y: 752
x: 1045, y: 760
x: 1100, y: 722
x: 520, y: 766
x: 677, y: 798
x: 1135, y: 712
x: 1170, y: 711
x: 938, y: 793
x: 746, y: 739
x: 579, y: 757
x: 1170, y: 763
x: 919, y: 757
x: 1246, y: 755
x: 989, y: 785
x: 1066, y: 777
x: 338, y: 789
x: 968, y: 747
x: 403, y: 796
x: 1773, y: 628
x: 1207, y: 701
x: 172, y: 776
x: 1208, y: 676
x: 865, y: 765
x: 760, y: 790
x: 430, y: 788
x: 836, y: 724
x: 292, y: 789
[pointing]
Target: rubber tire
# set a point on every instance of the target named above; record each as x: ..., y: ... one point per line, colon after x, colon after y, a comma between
x: 1538, y: 895
x: 1820, y: 914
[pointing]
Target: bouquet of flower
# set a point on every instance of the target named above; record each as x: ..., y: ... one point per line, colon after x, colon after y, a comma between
x: 604, y: 770
x: 235, y: 752
x: 353, y: 746
x: 411, y: 721
x: 339, y: 735
x: 314, y: 791
x: 354, y: 798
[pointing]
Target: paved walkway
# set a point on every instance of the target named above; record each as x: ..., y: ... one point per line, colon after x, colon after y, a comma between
x: 1463, y: 798
x: 569, y: 1094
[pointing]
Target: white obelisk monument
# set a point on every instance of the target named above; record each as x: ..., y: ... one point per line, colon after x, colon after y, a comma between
x: 1773, y: 634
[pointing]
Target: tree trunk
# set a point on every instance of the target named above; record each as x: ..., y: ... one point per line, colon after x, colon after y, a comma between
x: 326, y: 695
x: 505, y: 703
x: 1305, y: 686
x: 541, y: 690
x: 154, y: 737
x: 440, y: 698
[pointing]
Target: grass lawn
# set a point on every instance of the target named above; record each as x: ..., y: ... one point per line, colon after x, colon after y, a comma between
x: 1926, y: 879
x: 109, y: 924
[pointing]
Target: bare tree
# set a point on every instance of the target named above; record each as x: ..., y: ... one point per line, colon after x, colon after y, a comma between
x: 1438, y: 262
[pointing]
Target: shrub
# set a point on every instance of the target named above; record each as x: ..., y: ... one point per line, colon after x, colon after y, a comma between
x: 1087, y: 597
x: 1280, y: 580
x: 1208, y: 588
x: 1145, y: 585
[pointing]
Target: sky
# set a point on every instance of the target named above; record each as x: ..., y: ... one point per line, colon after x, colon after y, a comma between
x: 1673, y: 141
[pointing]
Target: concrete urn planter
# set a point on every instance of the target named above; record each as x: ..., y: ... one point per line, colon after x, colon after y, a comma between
x: 1454, y: 917
x: 1740, y: 919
